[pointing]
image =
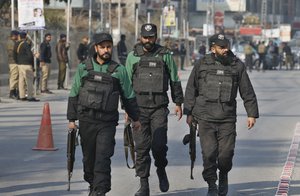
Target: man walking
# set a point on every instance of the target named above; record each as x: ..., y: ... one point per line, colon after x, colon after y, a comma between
x: 98, y: 84
x: 83, y: 49
x: 210, y: 101
x: 122, y: 49
x: 151, y: 68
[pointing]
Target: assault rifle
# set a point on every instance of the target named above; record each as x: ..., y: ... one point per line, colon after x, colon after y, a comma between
x: 191, y: 139
x: 129, y: 144
x: 71, y: 146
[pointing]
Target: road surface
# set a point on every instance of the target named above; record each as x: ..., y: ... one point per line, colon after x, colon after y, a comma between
x: 260, y: 155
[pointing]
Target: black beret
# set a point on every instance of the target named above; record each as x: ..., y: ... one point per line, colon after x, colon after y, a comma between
x: 148, y: 30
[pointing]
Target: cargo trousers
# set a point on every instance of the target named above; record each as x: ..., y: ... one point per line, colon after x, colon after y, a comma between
x: 98, y: 143
x: 217, y: 141
x: 153, y: 136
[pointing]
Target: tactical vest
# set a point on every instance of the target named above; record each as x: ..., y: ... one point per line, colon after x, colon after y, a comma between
x: 218, y: 83
x: 99, y: 91
x: 150, y: 74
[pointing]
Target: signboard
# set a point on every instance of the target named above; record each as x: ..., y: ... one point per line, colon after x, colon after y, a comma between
x: 271, y: 33
x: 169, y: 16
x: 222, y: 5
x: 31, y: 14
x: 208, y: 30
x: 219, y: 18
x: 250, y: 30
x: 285, y: 33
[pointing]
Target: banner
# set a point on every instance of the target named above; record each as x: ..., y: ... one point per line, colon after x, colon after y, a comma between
x: 222, y: 5
x: 31, y: 14
x: 169, y: 16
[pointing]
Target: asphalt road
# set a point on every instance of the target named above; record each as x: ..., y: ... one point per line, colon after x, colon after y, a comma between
x: 260, y: 154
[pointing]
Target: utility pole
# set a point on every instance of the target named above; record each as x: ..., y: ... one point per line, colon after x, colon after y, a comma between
x: 119, y: 17
x: 12, y: 15
x: 184, y: 25
x: 263, y: 16
x: 109, y: 16
x: 90, y: 18
x: 183, y: 17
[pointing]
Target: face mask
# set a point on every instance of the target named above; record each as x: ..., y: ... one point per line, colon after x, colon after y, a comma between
x: 149, y: 46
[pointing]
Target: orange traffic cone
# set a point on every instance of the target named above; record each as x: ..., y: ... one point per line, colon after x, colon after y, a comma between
x: 45, y: 138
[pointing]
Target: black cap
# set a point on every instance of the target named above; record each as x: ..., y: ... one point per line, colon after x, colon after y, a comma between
x: 101, y: 37
x: 62, y: 36
x: 148, y: 30
x: 14, y: 32
x: 218, y: 39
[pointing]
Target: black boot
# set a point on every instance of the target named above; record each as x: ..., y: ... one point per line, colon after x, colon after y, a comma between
x: 97, y: 193
x: 12, y: 94
x: 163, y: 179
x: 212, y: 189
x: 223, y: 184
x: 144, y: 189
x: 91, y: 190
x: 16, y: 93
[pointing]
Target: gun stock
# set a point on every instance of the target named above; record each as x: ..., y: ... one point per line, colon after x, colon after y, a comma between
x: 71, y: 146
x: 129, y: 145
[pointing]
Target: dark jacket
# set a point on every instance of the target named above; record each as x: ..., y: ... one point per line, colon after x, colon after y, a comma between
x: 82, y: 52
x: 122, y: 49
x: 200, y: 91
x: 45, y: 52
x: 61, y: 52
x: 22, y: 53
x: 10, y: 51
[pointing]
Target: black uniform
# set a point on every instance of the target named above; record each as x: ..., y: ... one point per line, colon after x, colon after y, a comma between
x: 210, y: 97
x: 93, y: 101
x: 151, y: 74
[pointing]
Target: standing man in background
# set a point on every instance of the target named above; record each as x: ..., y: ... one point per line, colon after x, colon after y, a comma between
x: 24, y: 58
x: 45, y: 60
x: 248, y: 50
x: 262, y: 54
x: 210, y: 101
x: 182, y: 53
x: 122, y: 50
x: 151, y: 69
x: 83, y: 49
x: 62, y: 58
x: 13, y: 66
